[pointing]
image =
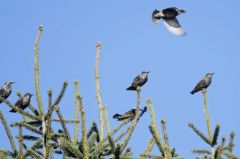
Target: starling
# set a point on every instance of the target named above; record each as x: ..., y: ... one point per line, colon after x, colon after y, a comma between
x: 129, y: 115
x: 23, y: 102
x: 6, y: 90
x: 139, y: 81
x: 170, y: 21
x: 203, y: 84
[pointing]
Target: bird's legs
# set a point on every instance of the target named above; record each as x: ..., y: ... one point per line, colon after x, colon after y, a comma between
x: 138, y: 88
x: 204, y: 90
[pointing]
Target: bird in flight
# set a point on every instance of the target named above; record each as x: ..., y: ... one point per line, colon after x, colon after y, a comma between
x: 203, y: 83
x: 6, y: 90
x: 22, y: 102
x: 170, y: 21
x: 139, y: 81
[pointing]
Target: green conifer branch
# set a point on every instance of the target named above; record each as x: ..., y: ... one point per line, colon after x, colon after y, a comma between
x: 157, y: 141
x: 128, y: 153
x: 230, y: 155
x: 20, y: 140
x: 151, y: 156
x: 99, y: 98
x: 92, y: 140
x: 31, y: 150
x: 164, y: 129
x: 204, y: 91
x: 76, y: 113
x: 70, y: 148
x: 199, y: 133
x: 46, y: 134
x: 202, y: 152
x: 62, y: 121
x: 231, y: 144
x: 27, y: 126
x: 149, y: 147
x: 36, y: 70
x: 9, y: 134
x: 57, y: 101
x: 153, y: 128
x: 84, y: 132
x: 215, y: 135
x: 166, y: 141
x: 134, y: 122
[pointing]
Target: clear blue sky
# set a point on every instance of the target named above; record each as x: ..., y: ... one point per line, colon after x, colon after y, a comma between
x: 131, y: 43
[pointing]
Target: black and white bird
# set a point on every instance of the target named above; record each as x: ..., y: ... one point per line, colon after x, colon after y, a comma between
x: 6, y: 90
x: 129, y: 115
x: 23, y: 102
x: 139, y: 81
x: 203, y: 84
x: 170, y: 21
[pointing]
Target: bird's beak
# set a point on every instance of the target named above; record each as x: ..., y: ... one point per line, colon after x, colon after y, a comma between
x: 213, y: 73
x: 12, y: 82
x: 31, y: 95
x: 183, y: 11
x: 148, y: 71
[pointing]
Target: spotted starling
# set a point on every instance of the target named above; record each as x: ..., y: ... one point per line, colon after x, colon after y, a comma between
x: 170, y: 21
x: 140, y: 80
x: 203, y: 84
x: 6, y: 90
x: 129, y: 115
x: 22, y: 102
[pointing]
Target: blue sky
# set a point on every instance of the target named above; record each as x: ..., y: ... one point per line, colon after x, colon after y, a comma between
x: 131, y: 43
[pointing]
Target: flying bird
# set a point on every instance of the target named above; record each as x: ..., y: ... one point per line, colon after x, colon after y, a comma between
x: 22, y: 102
x: 139, y: 81
x: 203, y: 84
x: 129, y: 115
x: 6, y: 90
x: 170, y: 21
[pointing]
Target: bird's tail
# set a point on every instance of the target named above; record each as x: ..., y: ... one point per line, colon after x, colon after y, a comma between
x: 116, y: 116
x: 143, y: 111
x: 131, y: 88
x: 13, y: 111
x: 193, y: 91
x: 156, y: 16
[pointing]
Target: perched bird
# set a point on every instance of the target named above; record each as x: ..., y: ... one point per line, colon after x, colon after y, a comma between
x: 22, y: 102
x: 203, y: 84
x: 6, y: 90
x: 140, y: 80
x: 129, y: 115
x: 170, y: 21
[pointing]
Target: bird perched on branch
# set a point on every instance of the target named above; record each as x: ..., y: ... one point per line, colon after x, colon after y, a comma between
x: 22, y: 102
x: 139, y: 81
x: 203, y: 84
x: 129, y: 115
x: 6, y: 90
x: 170, y: 21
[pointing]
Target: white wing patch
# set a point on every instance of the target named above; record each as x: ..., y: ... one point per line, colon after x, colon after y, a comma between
x: 179, y: 31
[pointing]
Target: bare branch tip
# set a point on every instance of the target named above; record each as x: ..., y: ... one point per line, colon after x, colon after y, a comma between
x: 149, y: 102
x: 76, y: 82
x: 99, y: 44
x: 49, y: 91
x: 65, y: 83
x: 40, y: 27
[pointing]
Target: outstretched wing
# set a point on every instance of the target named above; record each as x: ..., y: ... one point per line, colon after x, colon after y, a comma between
x: 174, y: 27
